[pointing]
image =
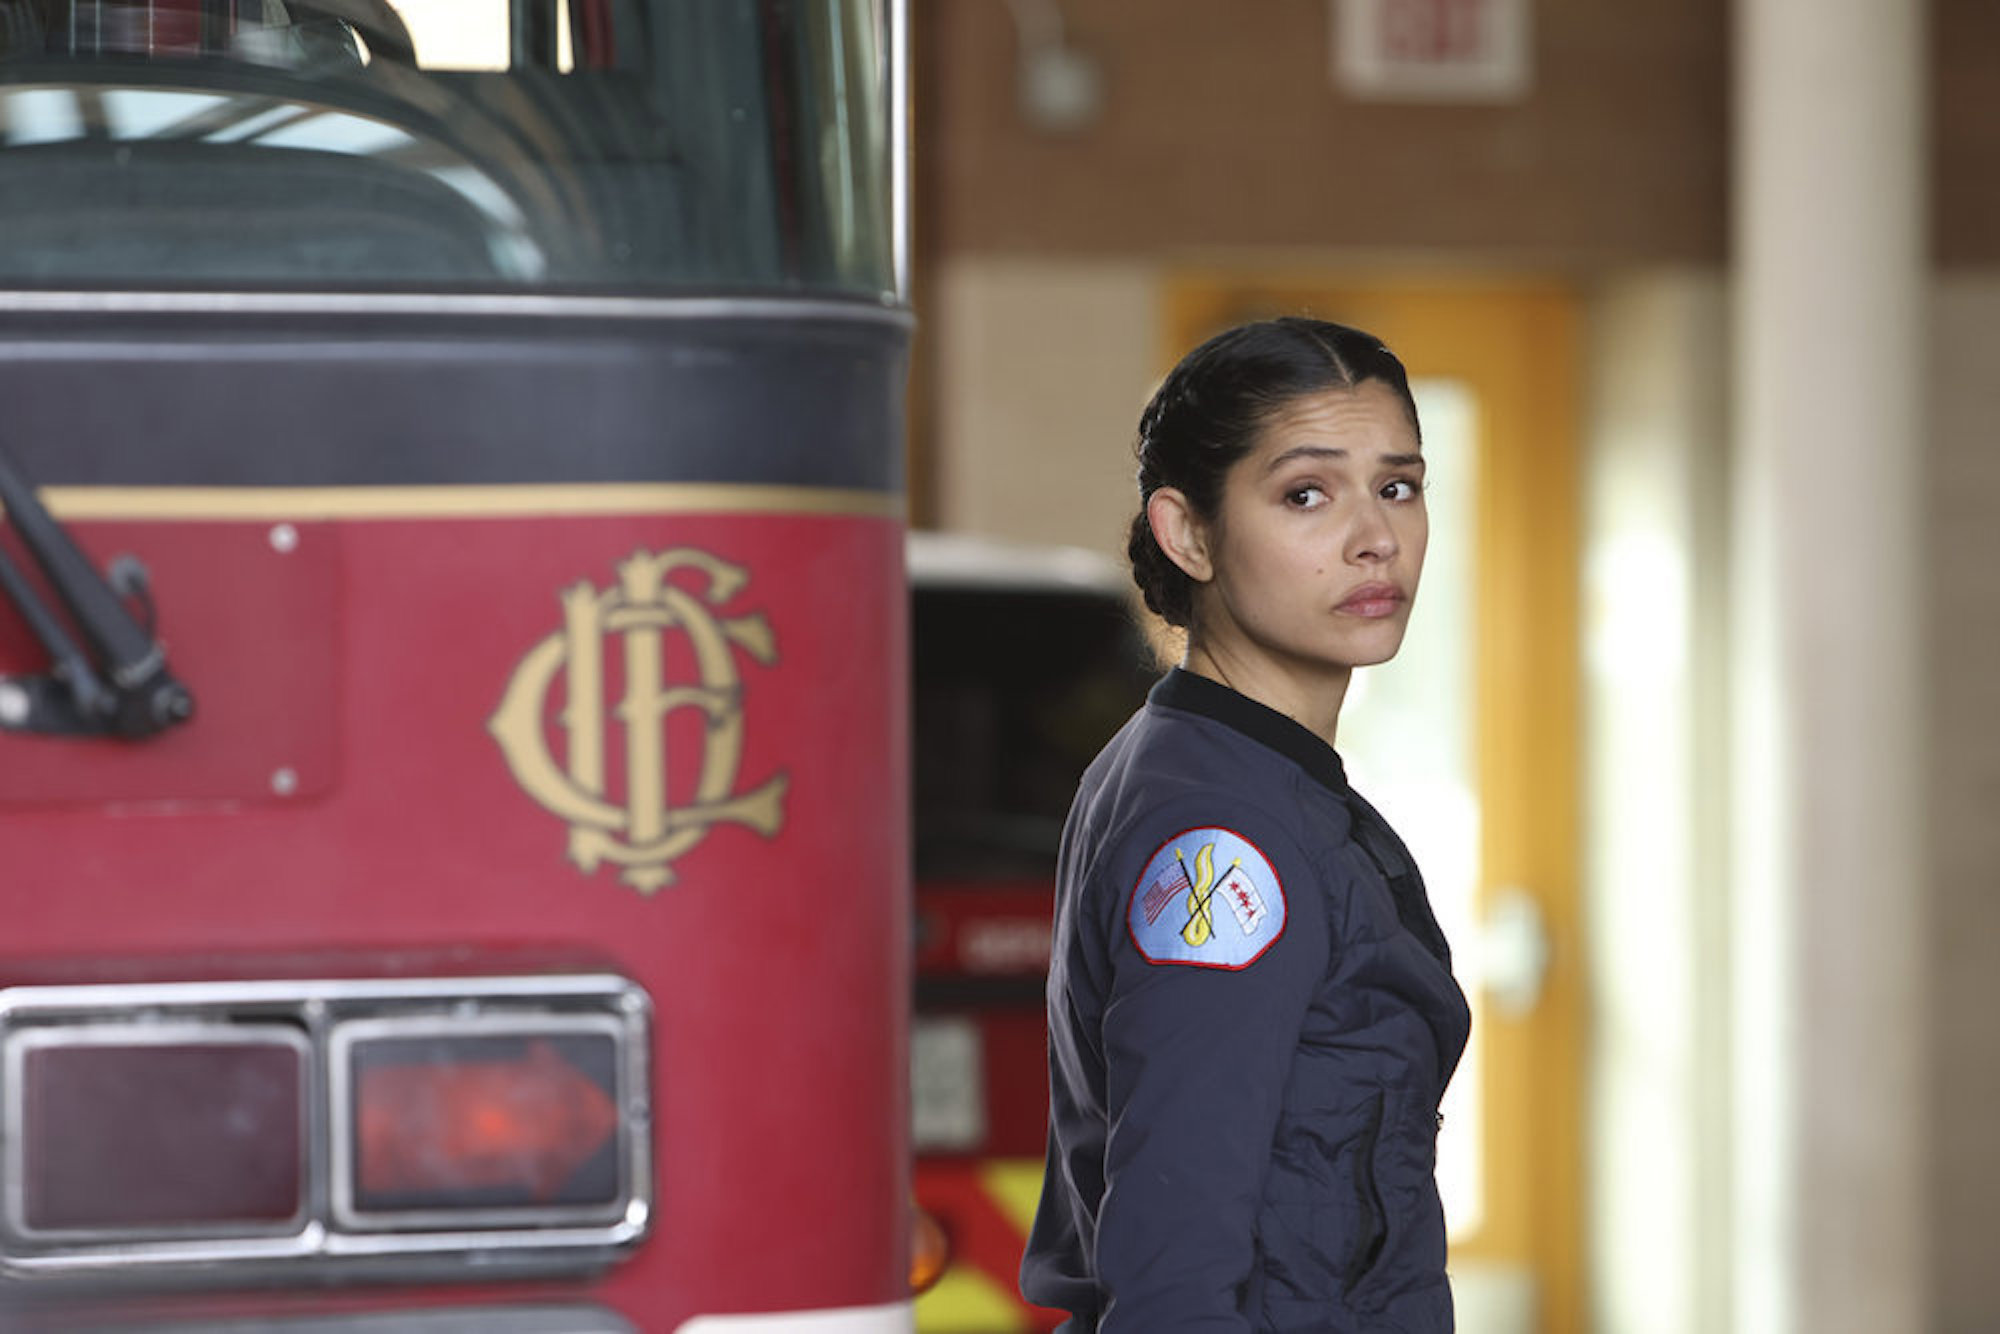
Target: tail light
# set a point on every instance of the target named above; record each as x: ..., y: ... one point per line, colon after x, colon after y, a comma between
x: 404, y: 1125
x: 503, y: 1121
x: 128, y: 1130
x: 930, y: 1251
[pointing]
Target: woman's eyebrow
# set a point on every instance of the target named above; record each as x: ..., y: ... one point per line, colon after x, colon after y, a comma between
x: 1330, y: 452
x: 1304, y: 452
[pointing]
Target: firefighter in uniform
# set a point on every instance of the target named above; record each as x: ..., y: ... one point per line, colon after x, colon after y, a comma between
x: 1252, y: 1016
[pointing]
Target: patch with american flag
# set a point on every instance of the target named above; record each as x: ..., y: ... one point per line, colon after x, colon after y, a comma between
x: 1208, y: 897
x: 1173, y: 881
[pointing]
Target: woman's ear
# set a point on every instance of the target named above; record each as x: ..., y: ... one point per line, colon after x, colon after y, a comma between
x: 1180, y: 532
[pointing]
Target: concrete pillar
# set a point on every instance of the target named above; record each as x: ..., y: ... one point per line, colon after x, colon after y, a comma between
x: 1828, y: 629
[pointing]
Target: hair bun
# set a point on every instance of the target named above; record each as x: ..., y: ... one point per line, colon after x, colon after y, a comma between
x: 1163, y: 584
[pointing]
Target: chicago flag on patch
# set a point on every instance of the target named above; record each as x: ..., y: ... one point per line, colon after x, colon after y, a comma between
x: 1239, y: 891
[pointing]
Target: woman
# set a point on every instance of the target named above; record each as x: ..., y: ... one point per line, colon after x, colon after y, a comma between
x: 1252, y: 1016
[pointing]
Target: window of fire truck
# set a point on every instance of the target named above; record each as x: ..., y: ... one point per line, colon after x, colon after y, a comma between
x: 1024, y: 662
x: 486, y: 144
x: 1013, y: 691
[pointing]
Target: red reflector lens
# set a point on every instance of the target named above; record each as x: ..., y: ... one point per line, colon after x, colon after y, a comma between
x: 507, y: 1122
x: 206, y: 1135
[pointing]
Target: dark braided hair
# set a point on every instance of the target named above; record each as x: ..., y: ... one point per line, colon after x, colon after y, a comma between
x: 1209, y: 411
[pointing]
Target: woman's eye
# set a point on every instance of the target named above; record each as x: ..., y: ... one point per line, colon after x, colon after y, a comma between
x: 1401, y: 489
x: 1304, y: 497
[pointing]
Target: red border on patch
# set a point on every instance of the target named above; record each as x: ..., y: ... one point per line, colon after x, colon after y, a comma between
x: 1277, y: 885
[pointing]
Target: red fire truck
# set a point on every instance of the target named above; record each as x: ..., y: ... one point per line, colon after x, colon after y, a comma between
x: 1025, y: 660
x: 453, y: 737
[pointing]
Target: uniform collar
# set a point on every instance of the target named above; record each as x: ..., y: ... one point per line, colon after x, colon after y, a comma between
x: 1190, y: 693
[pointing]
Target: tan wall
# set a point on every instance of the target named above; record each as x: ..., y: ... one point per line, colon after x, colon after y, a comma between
x: 1043, y: 367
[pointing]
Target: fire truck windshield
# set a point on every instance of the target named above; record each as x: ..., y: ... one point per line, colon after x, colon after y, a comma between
x: 583, y: 145
x: 1015, y: 684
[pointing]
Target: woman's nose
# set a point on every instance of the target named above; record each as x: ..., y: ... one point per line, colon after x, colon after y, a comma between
x: 1373, y: 536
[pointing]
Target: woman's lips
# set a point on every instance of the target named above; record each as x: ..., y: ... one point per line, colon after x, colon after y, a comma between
x: 1372, y: 601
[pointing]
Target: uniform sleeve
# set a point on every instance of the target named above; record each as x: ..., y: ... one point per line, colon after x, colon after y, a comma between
x: 1217, y: 944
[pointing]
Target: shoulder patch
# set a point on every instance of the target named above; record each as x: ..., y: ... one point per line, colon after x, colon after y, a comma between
x: 1208, y: 897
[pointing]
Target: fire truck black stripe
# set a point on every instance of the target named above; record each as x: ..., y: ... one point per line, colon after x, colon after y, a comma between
x: 531, y: 500
x: 135, y: 399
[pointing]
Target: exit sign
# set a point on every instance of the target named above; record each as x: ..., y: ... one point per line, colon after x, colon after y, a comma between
x: 1432, y: 50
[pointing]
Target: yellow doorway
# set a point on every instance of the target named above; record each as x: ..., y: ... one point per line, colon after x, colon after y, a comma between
x: 1495, y: 364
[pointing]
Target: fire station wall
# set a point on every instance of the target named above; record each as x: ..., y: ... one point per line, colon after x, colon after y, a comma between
x: 1043, y: 367
x: 1220, y: 125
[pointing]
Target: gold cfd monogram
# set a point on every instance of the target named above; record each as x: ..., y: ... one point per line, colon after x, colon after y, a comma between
x: 645, y: 833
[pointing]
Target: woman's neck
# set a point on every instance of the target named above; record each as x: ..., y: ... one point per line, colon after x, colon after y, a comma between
x: 1311, y: 699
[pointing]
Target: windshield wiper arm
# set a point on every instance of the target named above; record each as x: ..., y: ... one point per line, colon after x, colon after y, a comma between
x: 71, y: 695
x: 128, y: 690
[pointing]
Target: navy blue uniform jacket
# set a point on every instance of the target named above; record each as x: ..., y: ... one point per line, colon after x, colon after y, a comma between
x: 1252, y: 1019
